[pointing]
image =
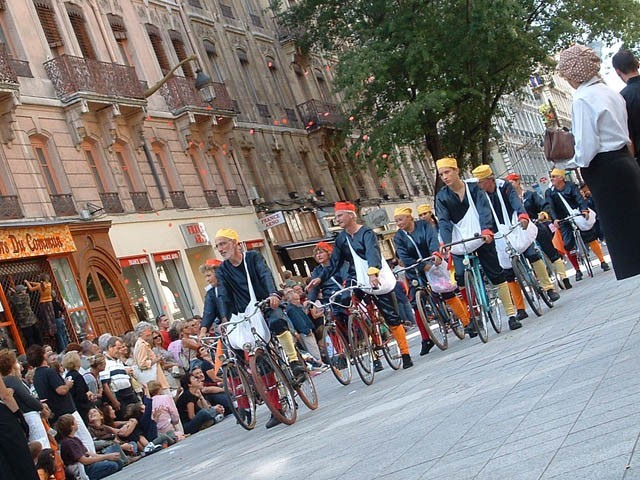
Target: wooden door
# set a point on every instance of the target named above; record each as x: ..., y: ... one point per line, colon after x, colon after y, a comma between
x: 108, y: 312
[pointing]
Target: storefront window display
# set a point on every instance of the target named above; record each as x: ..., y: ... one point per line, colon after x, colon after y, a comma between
x: 174, y: 291
x: 76, y: 309
x: 138, y: 279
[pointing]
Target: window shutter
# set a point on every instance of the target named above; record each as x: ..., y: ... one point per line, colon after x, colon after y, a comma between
x: 117, y: 27
x: 178, y: 46
x: 242, y: 56
x: 80, y: 29
x: 48, y: 22
x: 156, y: 43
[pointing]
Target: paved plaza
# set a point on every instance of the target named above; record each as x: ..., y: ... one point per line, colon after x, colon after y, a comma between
x: 557, y: 399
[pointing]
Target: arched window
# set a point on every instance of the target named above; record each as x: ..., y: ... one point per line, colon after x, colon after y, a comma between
x: 181, y: 52
x: 158, y: 48
x: 47, y: 165
x: 119, y: 30
x: 47, y: 18
x: 128, y: 168
x: 96, y: 166
x: 76, y: 17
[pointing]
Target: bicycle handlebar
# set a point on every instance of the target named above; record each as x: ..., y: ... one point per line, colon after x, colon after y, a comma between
x: 571, y: 217
x: 344, y: 290
x: 476, y: 236
x: 415, y: 265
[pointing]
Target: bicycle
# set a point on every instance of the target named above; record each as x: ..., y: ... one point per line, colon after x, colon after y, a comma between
x: 582, y: 252
x: 369, y: 335
x: 433, y: 311
x: 482, y: 307
x: 335, y: 346
x: 236, y: 381
x: 525, y: 276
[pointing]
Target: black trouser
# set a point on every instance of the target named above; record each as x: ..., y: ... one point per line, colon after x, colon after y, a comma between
x: 545, y: 240
x: 31, y: 335
x: 388, y: 306
x: 15, y: 460
x: 488, y: 257
x: 126, y: 396
x: 530, y: 254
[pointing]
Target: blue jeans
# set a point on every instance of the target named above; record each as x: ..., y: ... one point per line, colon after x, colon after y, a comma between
x: 202, y: 417
x: 61, y: 334
x: 102, y: 469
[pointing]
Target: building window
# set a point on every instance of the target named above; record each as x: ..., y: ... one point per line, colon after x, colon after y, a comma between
x: 195, y: 3
x: 47, y: 18
x: 158, y: 48
x: 76, y: 309
x: 80, y: 29
x: 181, y: 53
x: 212, y: 55
x: 96, y: 170
x: 126, y: 167
x: 119, y: 31
x: 174, y: 290
x: 226, y: 10
x: 202, y: 169
x: 141, y: 287
x: 169, y: 173
x: 322, y: 85
x: 47, y: 168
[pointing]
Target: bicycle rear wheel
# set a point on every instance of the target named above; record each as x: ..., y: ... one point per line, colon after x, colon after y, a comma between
x: 390, y: 348
x: 428, y: 315
x: 528, y: 284
x: 306, y: 389
x: 338, y: 355
x: 241, y: 395
x: 361, y: 348
x: 495, y: 316
x: 273, y: 386
x: 584, y: 257
x: 478, y: 314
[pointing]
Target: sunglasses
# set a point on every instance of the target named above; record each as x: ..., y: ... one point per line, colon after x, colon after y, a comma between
x: 155, y: 337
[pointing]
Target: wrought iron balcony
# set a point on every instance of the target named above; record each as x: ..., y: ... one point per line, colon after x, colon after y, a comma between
x: 73, y: 77
x: 141, y: 201
x: 181, y: 95
x: 212, y: 198
x: 234, y: 198
x: 21, y: 67
x: 63, y: 204
x: 10, y: 207
x: 111, y: 202
x: 179, y: 200
x: 286, y: 34
x: 8, y: 77
x: 317, y: 114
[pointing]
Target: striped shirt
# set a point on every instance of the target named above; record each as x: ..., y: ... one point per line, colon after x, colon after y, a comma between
x: 115, y: 374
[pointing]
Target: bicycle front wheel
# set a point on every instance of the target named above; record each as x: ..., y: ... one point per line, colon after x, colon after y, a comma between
x: 584, y: 257
x: 306, y: 389
x: 428, y: 315
x: 273, y: 387
x: 528, y: 284
x: 361, y: 348
x: 241, y: 395
x: 495, y: 315
x: 390, y: 348
x: 478, y: 313
x: 338, y: 355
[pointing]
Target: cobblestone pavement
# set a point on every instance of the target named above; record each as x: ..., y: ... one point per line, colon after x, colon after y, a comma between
x: 557, y: 399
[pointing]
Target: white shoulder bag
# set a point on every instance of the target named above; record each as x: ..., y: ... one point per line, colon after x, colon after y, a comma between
x: 582, y: 223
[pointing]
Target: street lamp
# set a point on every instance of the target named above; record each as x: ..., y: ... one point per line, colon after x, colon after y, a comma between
x: 205, y: 86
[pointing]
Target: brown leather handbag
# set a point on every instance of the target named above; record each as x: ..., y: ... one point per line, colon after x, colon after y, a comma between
x: 559, y: 144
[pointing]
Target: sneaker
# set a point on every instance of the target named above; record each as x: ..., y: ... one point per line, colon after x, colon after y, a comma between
x: 406, y: 361
x: 471, y: 331
x: 377, y: 365
x: 245, y: 414
x: 299, y: 370
x: 273, y: 421
x: 151, y: 448
x: 522, y: 314
x: 553, y: 295
x: 567, y: 283
x: 578, y: 276
x: 219, y: 417
x: 605, y: 267
x: 427, y: 345
x: 514, y: 324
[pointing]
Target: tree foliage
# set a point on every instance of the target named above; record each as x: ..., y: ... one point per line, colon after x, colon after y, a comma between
x: 429, y: 74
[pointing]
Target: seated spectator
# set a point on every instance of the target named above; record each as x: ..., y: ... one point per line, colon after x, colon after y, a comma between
x: 195, y: 411
x: 147, y: 427
x: 212, y: 387
x: 82, y: 397
x: 288, y: 281
x: 47, y: 467
x: 302, y: 324
x: 127, y: 431
x: 164, y: 411
x: 73, y: 452
x: 185, y: 348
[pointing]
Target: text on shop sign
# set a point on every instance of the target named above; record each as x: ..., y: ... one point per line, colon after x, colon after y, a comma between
x: 35, y: 241
x: 271, y: 220
x: 195, y: 234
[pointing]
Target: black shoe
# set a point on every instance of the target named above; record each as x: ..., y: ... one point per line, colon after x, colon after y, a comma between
x: 471, y: 331
x: 605, y: 267
x: 299, y: 370
x: 377, y: 365
x: 567, y: 283
x: 553, y: 295
x: 427, y: 345
x: 339, y: 363
x: 578, y: 276
x: 406, y: 361
x: 273, y: 421
x: 514, y: 324
x: 245, y: 414
x: 522, y: 314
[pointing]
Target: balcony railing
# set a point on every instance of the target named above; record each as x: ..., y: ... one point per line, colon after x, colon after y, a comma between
x: 10, y: 207
x: 212, y: 198
x: 141, y: 201
x: 111, y: 202
x: 21, y: 67
x: 179, y: 200
x: 234, y: 198
x: 74, y: 75
x: 7, y: 71
x: 286, y: 34
x: 317, y: 113
x: 180, y: 94
x: 63, y: 204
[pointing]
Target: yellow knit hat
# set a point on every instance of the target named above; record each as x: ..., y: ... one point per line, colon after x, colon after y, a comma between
x: 447, y: 162
x: 227, y: 233
x: 482, y: 171
x: 556, y: 172
x: 424, y: 208
x: 402, y: 211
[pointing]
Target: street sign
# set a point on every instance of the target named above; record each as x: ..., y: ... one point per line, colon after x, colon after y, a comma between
x: 271, y: 221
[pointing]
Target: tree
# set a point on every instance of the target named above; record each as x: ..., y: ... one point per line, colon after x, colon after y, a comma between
x: 429, y: 74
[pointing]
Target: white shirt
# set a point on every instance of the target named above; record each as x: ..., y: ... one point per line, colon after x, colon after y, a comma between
x: 599, y: 121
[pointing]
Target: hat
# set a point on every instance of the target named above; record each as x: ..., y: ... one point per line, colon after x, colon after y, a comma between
x: 424, y: 208
x: 402, y: 211
x: 21, y: 288
x: 212, y: 262
x: 578, y: 63
x: 326, y: 246
x: 513, y: 176
x: 556, y: 172
x: 344, y: 207
x: 447, y: 162
x: 482, y: 171
x: 227, y: 233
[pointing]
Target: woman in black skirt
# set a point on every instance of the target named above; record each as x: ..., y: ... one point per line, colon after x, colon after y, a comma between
x: 599, y: 124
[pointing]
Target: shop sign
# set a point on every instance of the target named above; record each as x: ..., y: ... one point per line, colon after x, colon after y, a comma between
x: 271, y: 221
x: 166, y: 256
x: 251, y: 244
x: 132, y: 261
x: 195, y: 234
x: 35, y: 241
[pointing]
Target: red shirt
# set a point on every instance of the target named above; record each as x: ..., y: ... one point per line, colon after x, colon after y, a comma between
x: 165, y: 339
